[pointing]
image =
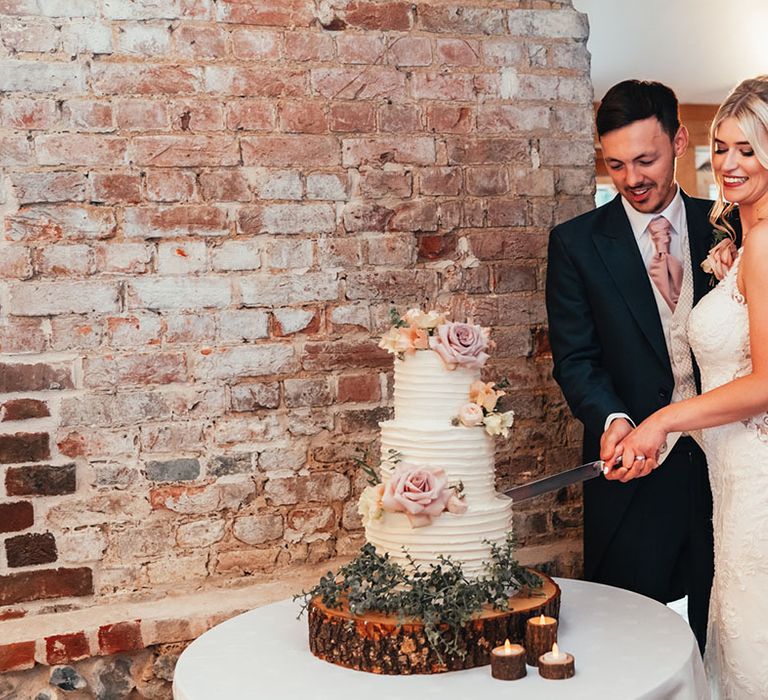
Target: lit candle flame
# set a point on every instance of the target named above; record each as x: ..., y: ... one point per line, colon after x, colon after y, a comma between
x: 542, y: 621
x: 507, y: 648
x: 555, y: 651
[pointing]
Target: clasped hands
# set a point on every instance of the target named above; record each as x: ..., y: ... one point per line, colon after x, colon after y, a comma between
x: 638, y: 448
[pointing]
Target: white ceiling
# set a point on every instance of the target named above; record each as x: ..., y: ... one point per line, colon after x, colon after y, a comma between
x: 700, y: 48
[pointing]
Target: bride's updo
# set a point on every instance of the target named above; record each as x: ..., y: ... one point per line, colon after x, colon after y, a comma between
x: 748, y: 105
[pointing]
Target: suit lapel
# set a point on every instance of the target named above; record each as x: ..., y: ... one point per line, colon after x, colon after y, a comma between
x: 699, y: 241
x: 616, y: 246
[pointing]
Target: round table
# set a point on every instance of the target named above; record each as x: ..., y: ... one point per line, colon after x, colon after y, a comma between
x: 626, y: 646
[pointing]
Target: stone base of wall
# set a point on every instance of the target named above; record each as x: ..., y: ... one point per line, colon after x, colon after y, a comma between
x: 129, y: 650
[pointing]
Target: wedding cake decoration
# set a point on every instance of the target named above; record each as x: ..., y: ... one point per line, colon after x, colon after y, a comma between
x: 436, y: 496
x: 439, y: 550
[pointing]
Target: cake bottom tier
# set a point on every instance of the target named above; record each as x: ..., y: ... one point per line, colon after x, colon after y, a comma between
x: 389, y: 645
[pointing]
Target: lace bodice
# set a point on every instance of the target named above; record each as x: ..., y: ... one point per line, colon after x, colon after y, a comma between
x: 737, y: 455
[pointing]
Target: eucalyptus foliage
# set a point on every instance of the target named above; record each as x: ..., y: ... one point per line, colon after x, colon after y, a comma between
x: 440, y: 595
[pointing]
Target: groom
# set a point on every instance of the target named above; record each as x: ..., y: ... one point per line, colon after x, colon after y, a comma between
x: 621, y: 281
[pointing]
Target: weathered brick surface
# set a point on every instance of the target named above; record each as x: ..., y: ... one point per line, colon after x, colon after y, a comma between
x: 207, y: 210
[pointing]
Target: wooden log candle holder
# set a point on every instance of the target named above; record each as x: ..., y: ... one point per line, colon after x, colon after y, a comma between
x: 508, y: 662
x: 540, y: 635
x: 388, y: 644
x: 556, y: 665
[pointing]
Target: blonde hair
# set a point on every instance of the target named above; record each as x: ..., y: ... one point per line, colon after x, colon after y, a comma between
x: 748, y: 105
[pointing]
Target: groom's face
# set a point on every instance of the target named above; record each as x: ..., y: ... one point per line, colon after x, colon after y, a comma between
x: 640, y: 158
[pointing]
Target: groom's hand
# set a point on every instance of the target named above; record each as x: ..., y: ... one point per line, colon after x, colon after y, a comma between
x: 617, y: 431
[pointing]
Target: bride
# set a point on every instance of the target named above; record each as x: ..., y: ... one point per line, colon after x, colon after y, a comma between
x: 728, y: 332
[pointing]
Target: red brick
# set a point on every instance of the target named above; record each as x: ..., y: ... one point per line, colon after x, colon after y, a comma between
x: 120, y: 637
x: 175, y: 220
x: 16, y: 516
x: 30, y: 549
x: 400, y: 119
x: 382, y: 16
x: 458, y: 52
x: 170, y: 185
x: 41, y: 480
x: 34, y: 377
x: 49, y: 187
x: 258, y: 44
x: 440, y: 181
x: 469, y: 20
x: 343, y: 355
x: 440, y: 86
x: 417, y: 150
x: 437, y: 247
x: 450, y: 119
x: 308, y: 46
x: 139, y: 79
x: 186, y: 151
x: 487, y: 181
x: 353, y: 117
x: 251, y: 115
x: 22, y: 335
x: 80, y: 149
x: 66, y: 648
x: 224, y: 186
x: 286, y: 151
x: 87, y: 115
x: 197, y: 115
x: 28, y: 113
x: 359, y: 48
x: 416, y: 215
x: 303, y: 117
x: 385, y: 183
x: 52, y: 222
x: 17, y: 656
x: 16, y: 262
x: 15, y: 149
x: 277, y: 13
x: 134, y: 369
x: 201, y: 42
x: 411, y: 51
x: 24, y: 447
x: 374, y: 82
x: 366, y: 216
x: 45, y: 583
x: 141, y: 114
x: 244, y: 81
x: 359, y: 388
x: 116, y: 187
x: 484, y: 151
x: 23, y: 409
x: 507, y: 212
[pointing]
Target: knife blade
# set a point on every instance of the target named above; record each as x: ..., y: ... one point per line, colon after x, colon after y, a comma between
x: 576, y: 475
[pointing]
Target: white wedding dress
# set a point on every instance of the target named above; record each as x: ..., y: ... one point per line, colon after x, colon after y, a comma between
x: 736, y: 656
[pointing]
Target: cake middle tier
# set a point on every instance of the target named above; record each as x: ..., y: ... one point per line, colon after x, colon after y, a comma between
x: 465, y: 454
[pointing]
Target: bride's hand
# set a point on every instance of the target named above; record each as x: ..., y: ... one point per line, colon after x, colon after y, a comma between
x: 639, y: 451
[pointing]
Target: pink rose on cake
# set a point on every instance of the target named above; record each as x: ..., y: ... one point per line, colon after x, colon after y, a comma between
x: 460, y: 344
x: 420, y: 492
x: 471, y: 415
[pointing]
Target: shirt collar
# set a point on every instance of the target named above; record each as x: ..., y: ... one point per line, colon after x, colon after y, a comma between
x: 674, y: 213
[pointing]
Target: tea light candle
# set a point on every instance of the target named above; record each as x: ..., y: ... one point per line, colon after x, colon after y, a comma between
x: 556, y: 664
x: 508, y: 662
x: 540, y: 635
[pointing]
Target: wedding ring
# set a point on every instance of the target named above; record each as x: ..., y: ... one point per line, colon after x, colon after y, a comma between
x: 639, y: 458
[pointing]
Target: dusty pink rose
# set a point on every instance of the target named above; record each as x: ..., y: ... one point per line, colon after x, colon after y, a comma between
x: 720, y: 258
x: 460, y: 344
x: 417, y: 492
x: 471, y: 415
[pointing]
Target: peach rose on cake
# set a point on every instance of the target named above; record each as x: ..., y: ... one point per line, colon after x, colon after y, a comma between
x: 419, y: 492
x: 460, y: 344
x: 483, y: 394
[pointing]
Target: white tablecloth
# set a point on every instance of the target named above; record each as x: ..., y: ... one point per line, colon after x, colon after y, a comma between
x: 626, y: 646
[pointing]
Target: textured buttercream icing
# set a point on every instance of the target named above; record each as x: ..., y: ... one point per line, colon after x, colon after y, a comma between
x: 428, y: 396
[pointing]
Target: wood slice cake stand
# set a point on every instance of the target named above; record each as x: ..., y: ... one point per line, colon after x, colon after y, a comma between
x: 385, y: 644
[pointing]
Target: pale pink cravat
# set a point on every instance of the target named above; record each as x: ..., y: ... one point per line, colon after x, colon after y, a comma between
x: 665, y: 270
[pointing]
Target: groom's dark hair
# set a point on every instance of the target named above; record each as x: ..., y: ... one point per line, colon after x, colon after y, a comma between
x: 633, y: 100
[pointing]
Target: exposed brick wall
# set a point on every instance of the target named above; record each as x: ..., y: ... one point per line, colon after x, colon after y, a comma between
x: 208, y: 208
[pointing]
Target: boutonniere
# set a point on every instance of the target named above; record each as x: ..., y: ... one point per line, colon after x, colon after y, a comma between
x: 721, y: 256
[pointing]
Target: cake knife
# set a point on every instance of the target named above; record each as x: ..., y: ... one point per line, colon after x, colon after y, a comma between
x: 557, y: 481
